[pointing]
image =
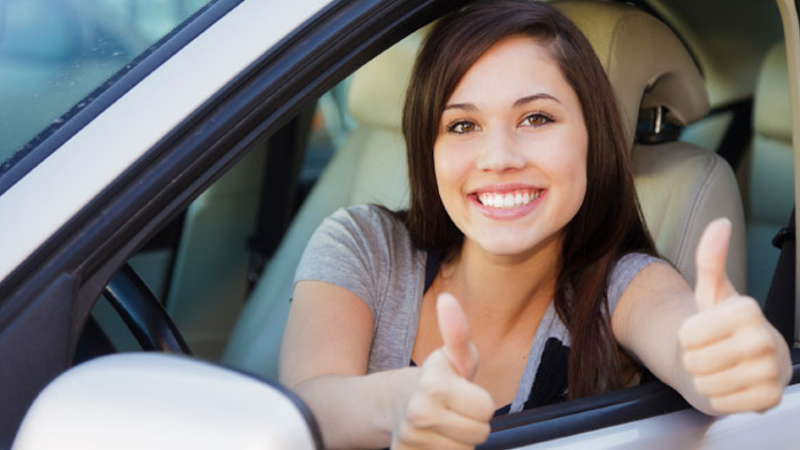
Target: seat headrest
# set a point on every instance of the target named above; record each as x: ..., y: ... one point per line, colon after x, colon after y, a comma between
x: 646, y: 63
x: 773, y: 116
x: 644, y: 60
x: 378, y: 89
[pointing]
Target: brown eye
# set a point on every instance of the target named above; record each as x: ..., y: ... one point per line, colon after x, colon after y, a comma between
x: 537, y: 120
x: 462, y: 127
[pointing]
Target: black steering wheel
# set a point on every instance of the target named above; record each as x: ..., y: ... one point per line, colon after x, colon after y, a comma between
x: 144, y: 315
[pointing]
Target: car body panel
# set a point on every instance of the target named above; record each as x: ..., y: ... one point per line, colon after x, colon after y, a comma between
x: 692, y: 429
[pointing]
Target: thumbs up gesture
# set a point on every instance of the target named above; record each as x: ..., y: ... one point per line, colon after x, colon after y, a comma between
x: 445, y: 409
x: 735, y: 358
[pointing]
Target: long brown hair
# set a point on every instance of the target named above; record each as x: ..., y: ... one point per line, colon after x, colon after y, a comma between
x: 608, y: 224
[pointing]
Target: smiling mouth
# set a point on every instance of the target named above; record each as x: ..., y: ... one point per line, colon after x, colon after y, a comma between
x: 508, y: 200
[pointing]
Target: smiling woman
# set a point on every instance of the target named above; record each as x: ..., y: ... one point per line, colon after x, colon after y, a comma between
x: 496, y: 90
x: 524, y: 244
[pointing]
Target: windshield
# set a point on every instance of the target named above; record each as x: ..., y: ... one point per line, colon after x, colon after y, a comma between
x: 57, y: 55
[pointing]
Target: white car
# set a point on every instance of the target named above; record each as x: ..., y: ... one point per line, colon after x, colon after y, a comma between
x: 162, y: 164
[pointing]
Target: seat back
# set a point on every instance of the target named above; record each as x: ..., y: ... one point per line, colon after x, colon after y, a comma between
x: 767, y: 170
x: 681, y: 187
x: 370, y: 167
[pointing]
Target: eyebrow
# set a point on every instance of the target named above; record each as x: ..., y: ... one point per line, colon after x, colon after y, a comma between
x: 533, y: 97
x: 520, y: 102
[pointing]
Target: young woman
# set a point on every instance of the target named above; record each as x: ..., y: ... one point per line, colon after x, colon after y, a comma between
x: 524, y: 244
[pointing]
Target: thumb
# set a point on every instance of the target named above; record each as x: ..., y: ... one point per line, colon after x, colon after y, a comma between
x: 712, y: 284
x: 454, y: 328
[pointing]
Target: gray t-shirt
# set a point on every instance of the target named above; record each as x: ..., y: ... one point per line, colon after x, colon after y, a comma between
x: 367, y: 251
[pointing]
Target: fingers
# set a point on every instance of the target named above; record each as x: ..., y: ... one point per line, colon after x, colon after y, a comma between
x: 739, y: 377
x: 447, y: 410
x: 710, y: 326
x: 730, y: 351
x: 455, y: 334
x: 757, y: 398
x: 712, y: 284
x: 726, y: 353
x: 457, y: 394
x: 446, y: 422
x: 409, y: 437
x: 734, y: 356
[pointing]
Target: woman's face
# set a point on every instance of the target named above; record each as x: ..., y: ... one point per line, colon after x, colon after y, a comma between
x: 510, y: 156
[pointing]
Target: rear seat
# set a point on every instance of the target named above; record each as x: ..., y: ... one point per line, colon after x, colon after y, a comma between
x: 766, y: 174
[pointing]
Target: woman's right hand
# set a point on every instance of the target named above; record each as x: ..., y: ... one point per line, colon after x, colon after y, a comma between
x: 444, y: 409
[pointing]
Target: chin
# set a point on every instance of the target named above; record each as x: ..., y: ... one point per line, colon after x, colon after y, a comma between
x: 508, y: 246
x: 515, y: 243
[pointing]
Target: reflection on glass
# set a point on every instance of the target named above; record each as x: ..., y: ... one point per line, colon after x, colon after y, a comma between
x: 55, y: 53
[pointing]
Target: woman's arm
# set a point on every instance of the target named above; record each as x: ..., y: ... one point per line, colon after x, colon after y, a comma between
x: 324, y: 357
x: 324, y: 350
x: 712, y: 345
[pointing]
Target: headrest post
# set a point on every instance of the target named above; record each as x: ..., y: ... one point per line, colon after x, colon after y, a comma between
x: 657, y: 125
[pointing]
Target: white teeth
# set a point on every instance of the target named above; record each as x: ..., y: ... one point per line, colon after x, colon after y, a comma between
x: 498, y: 200
x: 509, y: 200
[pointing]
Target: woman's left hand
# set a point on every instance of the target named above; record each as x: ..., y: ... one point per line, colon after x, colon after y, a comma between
x: 736, y: 359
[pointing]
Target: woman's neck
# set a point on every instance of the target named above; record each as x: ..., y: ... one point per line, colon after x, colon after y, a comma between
x: 498, y: 292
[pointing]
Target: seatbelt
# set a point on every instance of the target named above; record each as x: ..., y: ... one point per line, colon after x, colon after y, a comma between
x: 284, y: 160
x: 779, y: 307
x: 737, y: 136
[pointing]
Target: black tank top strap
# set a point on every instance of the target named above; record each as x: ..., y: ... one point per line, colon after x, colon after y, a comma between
x: 432, y: 265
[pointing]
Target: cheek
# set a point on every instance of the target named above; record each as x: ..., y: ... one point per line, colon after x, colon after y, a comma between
x: 571, y: 163
x: 450, y: 167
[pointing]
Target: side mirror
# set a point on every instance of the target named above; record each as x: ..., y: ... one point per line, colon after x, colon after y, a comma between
x: 152, y: 400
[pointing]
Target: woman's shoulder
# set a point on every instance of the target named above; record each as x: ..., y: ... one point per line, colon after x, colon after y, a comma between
x: 370, y: 222
x: 369, y: 230
x: 634, y: 261
x: 626, y: 268
x: 368, y: 214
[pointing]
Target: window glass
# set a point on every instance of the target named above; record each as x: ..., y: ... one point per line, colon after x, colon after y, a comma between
x: 54, y: 54
x: 330, y: 126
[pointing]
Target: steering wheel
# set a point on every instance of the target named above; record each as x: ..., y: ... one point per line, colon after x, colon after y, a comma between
x: 144, y: 315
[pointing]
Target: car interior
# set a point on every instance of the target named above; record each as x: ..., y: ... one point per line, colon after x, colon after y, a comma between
x: 705, y: 99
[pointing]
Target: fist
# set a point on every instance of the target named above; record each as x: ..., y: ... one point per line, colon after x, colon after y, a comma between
x: 735, y: 357
x: 445, y: 409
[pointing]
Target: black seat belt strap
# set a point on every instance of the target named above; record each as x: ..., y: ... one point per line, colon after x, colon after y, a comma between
x: 281, y: 171
x: 779, y: 307
x: 737, y: 137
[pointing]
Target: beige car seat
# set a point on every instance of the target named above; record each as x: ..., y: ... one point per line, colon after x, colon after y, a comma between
x: 682, y: 187
x: 766, y: 172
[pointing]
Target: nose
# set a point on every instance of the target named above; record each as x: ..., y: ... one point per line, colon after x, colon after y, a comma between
x: 500, y: 153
